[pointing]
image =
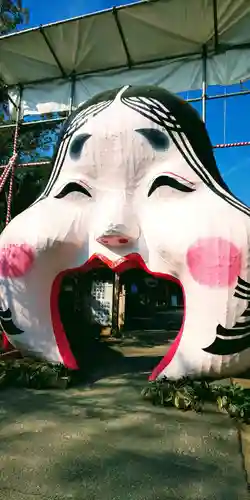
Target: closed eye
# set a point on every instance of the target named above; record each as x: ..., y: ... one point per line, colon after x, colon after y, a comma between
x: 5, y: 314
x: 73, y: 187
x: 7, y: 323
x: 166, y: 180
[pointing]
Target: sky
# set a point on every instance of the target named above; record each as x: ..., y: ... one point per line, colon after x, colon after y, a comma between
x: 227, y: 120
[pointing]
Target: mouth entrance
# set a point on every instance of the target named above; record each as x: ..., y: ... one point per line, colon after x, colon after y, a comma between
x: 100, y: 300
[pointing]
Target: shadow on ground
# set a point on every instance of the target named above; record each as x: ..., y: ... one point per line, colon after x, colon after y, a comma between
x: 134, y: 352
x: 115, y: 363
x: 147, y: 338
x: 103, y: 442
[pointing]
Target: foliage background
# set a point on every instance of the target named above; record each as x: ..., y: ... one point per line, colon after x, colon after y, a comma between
x: 36, y: 140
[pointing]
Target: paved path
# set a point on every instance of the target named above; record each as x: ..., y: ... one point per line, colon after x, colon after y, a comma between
x: 105, y: 443
x: 244, y: 381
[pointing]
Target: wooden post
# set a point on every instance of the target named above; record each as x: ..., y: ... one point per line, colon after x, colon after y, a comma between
x: 115, y: 304
x: 121, y: 310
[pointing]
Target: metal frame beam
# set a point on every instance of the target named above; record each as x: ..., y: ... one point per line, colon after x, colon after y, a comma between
x: 12, y: 102
x: 225, y: 47
x: 122, y: 37
x: 191, y: 55
x: 125, y: 6
x: 5, y: 86
x: 72, y: 92
x: 194, y: 99
x: 229, y: 94
x: 204, y: 82
x: 63, y: 73
x: 216, y: 34
x: 218, y: 47
x: 34, y: 122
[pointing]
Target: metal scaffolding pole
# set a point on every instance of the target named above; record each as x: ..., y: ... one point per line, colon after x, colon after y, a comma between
x: 204, y: 82
x: 122, y: 36
x: 62, y: 118
x: 72, y: 93
x: 216, y: 34
x: 61, y: 69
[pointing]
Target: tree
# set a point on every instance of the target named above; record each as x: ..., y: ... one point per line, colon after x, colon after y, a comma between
x: 12, y: 14
x: 35, y: 141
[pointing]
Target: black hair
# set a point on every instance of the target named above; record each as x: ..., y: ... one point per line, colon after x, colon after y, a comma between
x: 176, y: 115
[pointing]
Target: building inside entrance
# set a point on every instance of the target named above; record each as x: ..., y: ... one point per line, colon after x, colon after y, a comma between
x: 112, y: 304
x: 150, y: 303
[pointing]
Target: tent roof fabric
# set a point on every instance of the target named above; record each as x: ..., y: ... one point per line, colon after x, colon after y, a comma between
x: 124, y: 37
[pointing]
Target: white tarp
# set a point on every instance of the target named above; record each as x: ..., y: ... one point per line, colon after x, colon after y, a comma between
x: 44, y: 99
x: 55, y: 96
x: 99, y: 49
x: 228, y: 68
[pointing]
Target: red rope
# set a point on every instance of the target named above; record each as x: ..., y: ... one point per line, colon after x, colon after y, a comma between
x: 4, y: 176
x: 20, y: 165
x: 12, y: 165
x: 7, y: 168
x: 231, y: 145
x: 9, y: 199
x: 10, y: 170
x: 34, y: 164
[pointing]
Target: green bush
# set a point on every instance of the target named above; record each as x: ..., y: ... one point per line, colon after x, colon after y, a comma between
x: 34, y: 374
x: 187, y: 394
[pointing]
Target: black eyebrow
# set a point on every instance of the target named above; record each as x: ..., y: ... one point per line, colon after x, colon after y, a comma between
x: 166, y: 180
x: 77, y: 144
x: 73, y: 187
x: 156, y: 138
x: 5, y: 314
x: 7, y: 323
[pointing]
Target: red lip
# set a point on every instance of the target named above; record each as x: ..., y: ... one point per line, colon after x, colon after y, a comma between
x: 130, y: 261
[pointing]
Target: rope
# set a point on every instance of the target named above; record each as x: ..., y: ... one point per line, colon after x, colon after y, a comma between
x: 231, y: 145
x: 4, y: 176
x: 9, y: 199
x: 34, y: 164
x: 10, y: 170
x: 30, y: 164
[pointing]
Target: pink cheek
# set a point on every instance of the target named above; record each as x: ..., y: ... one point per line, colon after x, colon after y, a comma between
x: 16, y: 260
x: 214, y: 262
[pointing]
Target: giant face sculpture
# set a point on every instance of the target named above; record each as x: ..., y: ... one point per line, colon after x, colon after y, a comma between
x: 134, y: 184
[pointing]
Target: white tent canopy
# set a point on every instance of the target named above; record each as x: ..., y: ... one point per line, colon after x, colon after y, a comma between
x: 152, y: 42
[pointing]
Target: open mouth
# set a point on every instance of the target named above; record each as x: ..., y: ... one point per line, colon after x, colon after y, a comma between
x: 72, y: 329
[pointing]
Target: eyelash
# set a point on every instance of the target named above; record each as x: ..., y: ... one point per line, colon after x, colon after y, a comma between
x: 164, y: 180
x: 73, y: 187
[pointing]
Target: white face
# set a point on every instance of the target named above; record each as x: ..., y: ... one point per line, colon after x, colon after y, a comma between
x: 121, y: 186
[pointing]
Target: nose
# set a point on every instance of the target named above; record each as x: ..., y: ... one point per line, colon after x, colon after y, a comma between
x: 119, y: 235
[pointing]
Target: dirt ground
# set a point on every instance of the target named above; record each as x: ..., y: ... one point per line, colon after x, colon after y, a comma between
x: 103, y: 442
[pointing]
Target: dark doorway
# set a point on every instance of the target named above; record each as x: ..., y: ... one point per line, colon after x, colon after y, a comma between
x: 151, y: 303
x: 86, y: 305
x: 85, y: 313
